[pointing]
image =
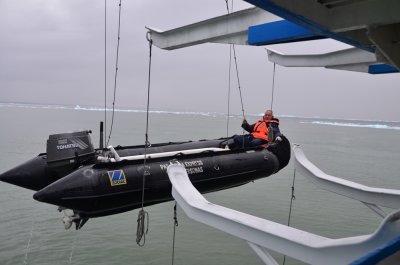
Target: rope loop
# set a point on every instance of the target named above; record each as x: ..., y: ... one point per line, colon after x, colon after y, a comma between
x: 140, y: 231
x: 148, y: 37
x: 147, y: 143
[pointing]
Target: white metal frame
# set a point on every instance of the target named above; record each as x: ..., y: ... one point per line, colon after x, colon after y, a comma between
x: 230, y: 29
x: 263, y: 235
x: 352, y: 59
x: 370, y: 196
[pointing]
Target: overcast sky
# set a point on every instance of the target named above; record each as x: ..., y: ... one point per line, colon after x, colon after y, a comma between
x: 52, y: 51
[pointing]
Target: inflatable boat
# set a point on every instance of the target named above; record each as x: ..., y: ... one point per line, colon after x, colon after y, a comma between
x: 99, y: 182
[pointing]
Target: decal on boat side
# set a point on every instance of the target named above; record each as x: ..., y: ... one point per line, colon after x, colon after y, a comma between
x: 192, y: 167
x: 117, y: 177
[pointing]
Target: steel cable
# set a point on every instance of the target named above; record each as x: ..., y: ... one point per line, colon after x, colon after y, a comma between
x: 290, y: 207
x: 173, y: 241
x: 140, y: 234
x: 105, y: 72
x: 116, y: 73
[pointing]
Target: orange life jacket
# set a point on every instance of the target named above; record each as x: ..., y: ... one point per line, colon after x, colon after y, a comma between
x: 260, y: 129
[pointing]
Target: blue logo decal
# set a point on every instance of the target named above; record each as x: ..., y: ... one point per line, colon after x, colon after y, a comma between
x: 117, y: 177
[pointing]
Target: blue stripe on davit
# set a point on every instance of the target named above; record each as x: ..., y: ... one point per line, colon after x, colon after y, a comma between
x: 382, y: 69
x: 273, y: 8
x: 279, y: 32
x: 379, y: 254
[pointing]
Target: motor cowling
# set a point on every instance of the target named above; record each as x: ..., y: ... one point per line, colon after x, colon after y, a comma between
x: 69, y: 148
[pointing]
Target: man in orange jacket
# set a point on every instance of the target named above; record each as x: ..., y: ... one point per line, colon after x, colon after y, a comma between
x: 261, y: 132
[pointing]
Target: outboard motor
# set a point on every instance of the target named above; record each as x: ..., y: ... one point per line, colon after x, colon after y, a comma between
x: 65, y: 153
x: 69, y: 148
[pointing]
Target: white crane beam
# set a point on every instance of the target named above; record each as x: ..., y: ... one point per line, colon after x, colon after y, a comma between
x: 230, y: 29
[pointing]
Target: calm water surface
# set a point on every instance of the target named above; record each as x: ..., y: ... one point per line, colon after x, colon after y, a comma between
x: 32, y: 232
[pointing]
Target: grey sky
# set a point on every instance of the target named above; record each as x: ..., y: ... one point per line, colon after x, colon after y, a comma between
x: 52, y: 51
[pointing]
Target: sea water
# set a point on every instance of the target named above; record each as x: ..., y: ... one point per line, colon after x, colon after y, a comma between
x: 32, y: 232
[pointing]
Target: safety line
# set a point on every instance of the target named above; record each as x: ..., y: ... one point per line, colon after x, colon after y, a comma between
x: 229, y: 77
x: 290, y: 207
x: 116, y: 73
x: 140, y: 233
x: 236, y: 65
x: 229, y: 90
x: 105, y: 72
x: 237, y: 75
x: 232, y: 47
x: 173, y: 241
x: 273, y: 87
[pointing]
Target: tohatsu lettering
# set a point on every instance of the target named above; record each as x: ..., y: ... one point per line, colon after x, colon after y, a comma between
x: 66, y: 146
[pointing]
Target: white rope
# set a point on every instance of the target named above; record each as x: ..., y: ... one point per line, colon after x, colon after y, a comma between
x: 73, y: 247
x: 29, y: 241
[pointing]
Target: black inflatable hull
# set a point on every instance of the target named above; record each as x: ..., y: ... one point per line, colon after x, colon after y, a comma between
x: 93, y: 192
x: 38, y: 173
x: 94, y: 189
